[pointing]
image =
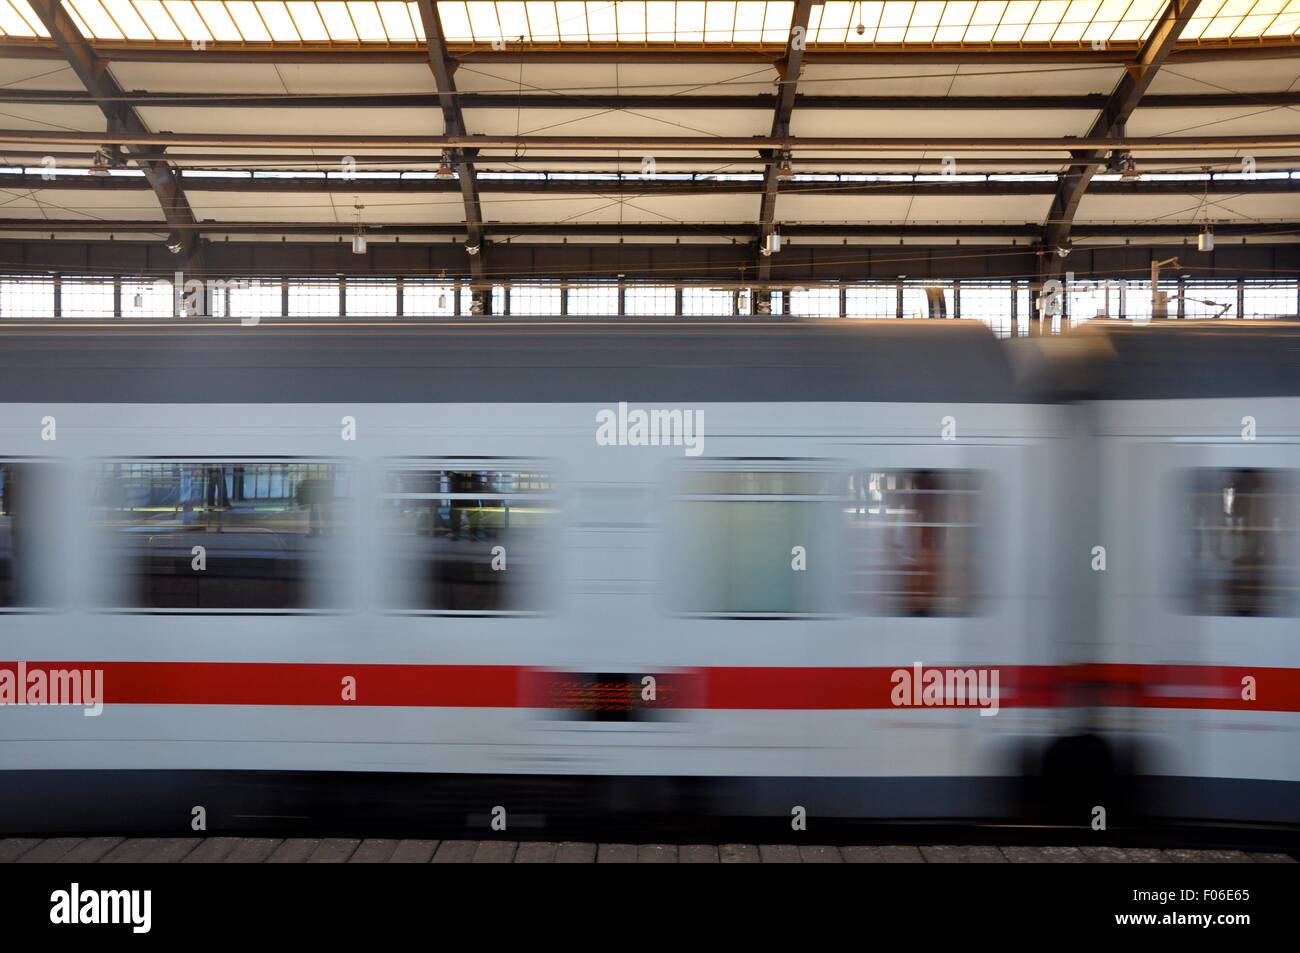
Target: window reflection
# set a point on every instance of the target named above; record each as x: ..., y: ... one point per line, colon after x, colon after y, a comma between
x: 469, y: 540
x: 263, y: 529
x: 1240, y: 539
x: 739, y: 536
x: 911, y: 541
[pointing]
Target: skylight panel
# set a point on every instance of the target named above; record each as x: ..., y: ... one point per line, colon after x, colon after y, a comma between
x: 1230, y: 17
x: 1137, y: 21
x: 833, y: 26
x: 278, y: 22
x: 893, y: 22
x: 127, y: 20
x: 513, y: 20
x: 1078, y: 14
x: 776, y: 24
x: 1201, y: 19
x: 1260, y: 16
x: 571, y: 22
x: 248, y: 21
x: 956, y: 17
x: 11, y: 24
x: 397, y: 21
x: 337, y: 21
x: 833, y: 23
x: 749, y: 21
x: 369, y: 25
x: 455, y: 22
x: 1107, y: 20
x: 868, y: 15
x: 925, y: 21
x: 984, y: 22
x: 690, y: 22
x: 158, y: 22
x: 1287, y: 23
x: 96, y: 20
x: 602, y: 25
x: 307, y: 21
x: 544, y: 22
x: 483, y: 22
x: 27, y: 13
x: 719, y: 21
x: 1045, y: 21
x: 1015, y: 20
x: 660, y: 21
x: 188, y: 20
x: 218, y: 21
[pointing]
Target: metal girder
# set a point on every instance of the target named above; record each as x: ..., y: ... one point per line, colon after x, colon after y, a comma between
x: 974, y: 187
x: 707, y: 144
x: 1249, y: 48
x: 1110, y: 123
x: 454, y: 124
x: 823, y: 235
x: 788, y: 69
x: 764, y: 102
x: 94, y: 75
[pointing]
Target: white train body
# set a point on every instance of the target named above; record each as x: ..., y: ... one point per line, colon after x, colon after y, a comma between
x: 763, y: 709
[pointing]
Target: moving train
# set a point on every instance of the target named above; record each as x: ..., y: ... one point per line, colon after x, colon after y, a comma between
x: 527, y: 571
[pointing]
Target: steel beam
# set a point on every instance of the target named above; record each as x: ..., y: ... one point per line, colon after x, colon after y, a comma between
x: 454, y: 124
x: 762, y: 102
x: 122, y: 119
x: 736, y: 232
x: 788, y: 70
x: 1110, y: 123
x: 707, y: 144
x: 605, y: 188
x: 1251, y: 48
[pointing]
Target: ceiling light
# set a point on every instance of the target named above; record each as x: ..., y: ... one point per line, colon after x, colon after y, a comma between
x: 1205, y: 240
x: 100, y: 161
x: 471, y: 248
x: 444, y: 168
x: 771, y: 244
x: 175, y: 245
x: 359, y: 243
x: 785, y: 168
x: 1063, y: 251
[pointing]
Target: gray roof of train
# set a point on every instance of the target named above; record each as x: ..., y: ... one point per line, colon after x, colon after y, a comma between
x: 1114, y: 360
x: 673, y: 363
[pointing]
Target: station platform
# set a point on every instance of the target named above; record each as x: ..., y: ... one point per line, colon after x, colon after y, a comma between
x: 294, y: 850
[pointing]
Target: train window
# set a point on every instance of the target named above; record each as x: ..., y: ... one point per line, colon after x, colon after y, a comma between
x: 13, y: 533
x: 911, y: 541
x: 751, y: 542
x: 469, y: 539
x: 1239, y: 542
x: 220, y: 535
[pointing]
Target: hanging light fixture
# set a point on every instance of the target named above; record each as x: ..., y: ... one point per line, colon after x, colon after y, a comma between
x: 1205, y: 240
x: 359, y: 235
x: 100, y: 161
x: 444, y: 167
x: 785, y: 168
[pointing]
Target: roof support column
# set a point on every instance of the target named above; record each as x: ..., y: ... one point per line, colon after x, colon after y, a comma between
x: 454, y: 122
x: 122, y: 119
x: 788, y: 67
x: 1110, y: 122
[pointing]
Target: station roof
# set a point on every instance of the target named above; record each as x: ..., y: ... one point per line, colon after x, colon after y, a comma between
x: 1034, y: 122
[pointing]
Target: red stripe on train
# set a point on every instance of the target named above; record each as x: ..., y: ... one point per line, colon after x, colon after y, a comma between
x: 751, y: 688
